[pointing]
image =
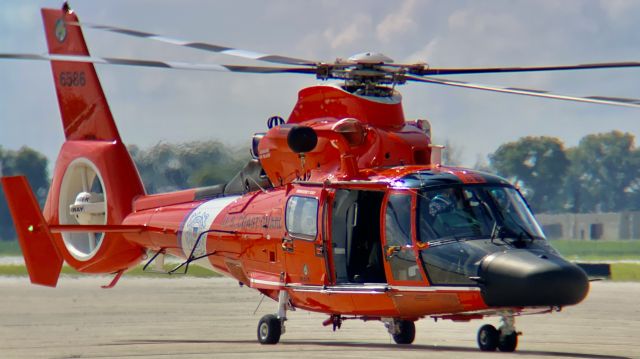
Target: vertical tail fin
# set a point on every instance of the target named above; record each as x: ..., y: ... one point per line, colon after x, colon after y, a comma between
x: 83, y: 106
x: 95, y: 179
x: 40, y: 254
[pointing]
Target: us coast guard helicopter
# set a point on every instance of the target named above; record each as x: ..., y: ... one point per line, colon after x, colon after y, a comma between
x: 344, y: 208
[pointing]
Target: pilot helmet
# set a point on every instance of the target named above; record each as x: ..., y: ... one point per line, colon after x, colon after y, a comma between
x: 440, y: 204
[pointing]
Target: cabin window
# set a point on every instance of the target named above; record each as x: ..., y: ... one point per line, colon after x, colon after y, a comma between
x: 302, y: 217
x: 398, y: 220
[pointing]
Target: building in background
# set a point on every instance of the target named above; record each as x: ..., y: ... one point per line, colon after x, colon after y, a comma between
x: 591, y: 226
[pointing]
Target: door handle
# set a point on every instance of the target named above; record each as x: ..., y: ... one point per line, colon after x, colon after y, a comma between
x: 392, y: 251
x: 287, y: 245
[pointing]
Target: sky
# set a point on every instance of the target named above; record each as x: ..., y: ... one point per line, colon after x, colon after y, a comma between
x: 155, y: 105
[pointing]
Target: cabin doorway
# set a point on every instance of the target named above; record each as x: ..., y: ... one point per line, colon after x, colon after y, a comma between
x: 355, y: 236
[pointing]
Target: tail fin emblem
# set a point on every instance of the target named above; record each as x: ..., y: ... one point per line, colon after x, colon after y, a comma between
x: 61, y: 30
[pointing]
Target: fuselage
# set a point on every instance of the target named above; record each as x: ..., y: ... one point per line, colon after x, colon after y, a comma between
x: 364, y: 247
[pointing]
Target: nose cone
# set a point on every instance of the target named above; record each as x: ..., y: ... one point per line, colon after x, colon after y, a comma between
x: 523, y: 278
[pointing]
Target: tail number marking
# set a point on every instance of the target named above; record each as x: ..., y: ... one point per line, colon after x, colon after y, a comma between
x: 72, y: 79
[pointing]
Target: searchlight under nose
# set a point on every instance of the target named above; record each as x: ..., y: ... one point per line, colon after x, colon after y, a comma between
x: 525, y: 278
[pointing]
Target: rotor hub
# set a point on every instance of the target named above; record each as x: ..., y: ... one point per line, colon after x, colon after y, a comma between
x: 370, y: 58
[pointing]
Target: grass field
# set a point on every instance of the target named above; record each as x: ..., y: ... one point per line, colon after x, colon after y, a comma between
x: 194, y: 271
x: 598, y: 250
x: 620, y: 272
x: 10, y: 248
x: 625, y: 272
x: 571, y: 249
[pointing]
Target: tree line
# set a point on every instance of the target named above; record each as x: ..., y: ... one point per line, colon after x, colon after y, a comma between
x: 164, y: 167
x: 25, y: 161
x: 600, y: 174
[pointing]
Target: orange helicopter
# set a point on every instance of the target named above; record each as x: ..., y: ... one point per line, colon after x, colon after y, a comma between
x: 344, y: 208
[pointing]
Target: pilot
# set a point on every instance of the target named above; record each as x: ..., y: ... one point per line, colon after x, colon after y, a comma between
x: 450, y: 220
x: 440, y: 204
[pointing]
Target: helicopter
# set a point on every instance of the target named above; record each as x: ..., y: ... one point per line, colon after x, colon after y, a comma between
x: 344, y: 208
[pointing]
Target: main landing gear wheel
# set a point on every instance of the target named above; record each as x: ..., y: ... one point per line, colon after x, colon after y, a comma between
x: 488, y: 338
x: 404, y: 331
x: 269, y: 329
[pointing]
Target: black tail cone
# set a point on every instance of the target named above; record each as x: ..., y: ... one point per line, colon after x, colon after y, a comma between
x: 524, y: 278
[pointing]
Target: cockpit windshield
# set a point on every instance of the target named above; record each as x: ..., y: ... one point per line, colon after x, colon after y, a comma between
x: 474, y: 212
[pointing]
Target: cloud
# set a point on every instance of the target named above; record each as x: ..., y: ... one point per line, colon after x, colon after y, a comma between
x: 18, y: 15
x: 622, y: 11
x: 398, y: 22
x: 426, y: 53
x: 344, y: 37
x: 153, y: 104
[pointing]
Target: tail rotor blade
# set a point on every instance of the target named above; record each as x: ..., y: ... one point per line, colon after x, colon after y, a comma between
x: 85, y: 179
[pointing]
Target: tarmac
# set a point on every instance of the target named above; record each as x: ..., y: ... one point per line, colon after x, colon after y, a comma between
x: 214, y: 318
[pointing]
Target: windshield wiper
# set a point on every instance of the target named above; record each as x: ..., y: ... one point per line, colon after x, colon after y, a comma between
x: 495, y: 230
x: 525, y: 231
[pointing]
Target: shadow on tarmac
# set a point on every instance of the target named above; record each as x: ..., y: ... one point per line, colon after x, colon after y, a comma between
x: 368, y: 346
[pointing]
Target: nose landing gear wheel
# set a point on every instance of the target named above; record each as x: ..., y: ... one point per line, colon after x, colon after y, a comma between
x: 488, y: 338
x: 406, y: 332
x: 269, y: 329
x: 508, y: 343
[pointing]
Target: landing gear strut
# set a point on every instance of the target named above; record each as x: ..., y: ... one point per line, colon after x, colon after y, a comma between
x: 504, y: 339
x: 271, y: 327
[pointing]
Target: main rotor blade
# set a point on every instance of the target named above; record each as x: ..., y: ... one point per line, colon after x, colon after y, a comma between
x: 247, y: 54
x: 489, y: 70
x: 615, y: 101
x: 161, y: 64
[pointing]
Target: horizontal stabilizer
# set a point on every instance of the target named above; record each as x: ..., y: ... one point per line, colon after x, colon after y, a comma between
x: 43, y: 261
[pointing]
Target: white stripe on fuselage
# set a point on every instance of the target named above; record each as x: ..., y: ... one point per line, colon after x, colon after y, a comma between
x: 200, y: 220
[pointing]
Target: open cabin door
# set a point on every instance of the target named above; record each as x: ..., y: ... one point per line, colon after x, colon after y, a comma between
x: 399, y: 244
x: 355, y: 236
x: 302, y: 244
